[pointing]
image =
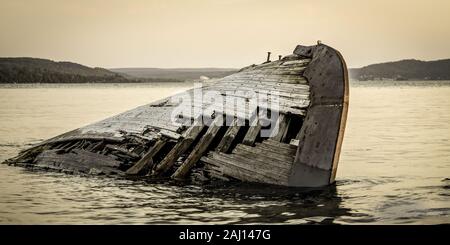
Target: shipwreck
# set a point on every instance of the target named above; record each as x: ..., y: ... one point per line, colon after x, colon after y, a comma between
x: 281, y: 122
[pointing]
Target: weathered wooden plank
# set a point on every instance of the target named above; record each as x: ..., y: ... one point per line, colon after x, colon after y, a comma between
x: 98, y: 147
x: 256, y: 88
x: 179, y: 149
x: 299, y: 135
x: 285, y: 62
x: 294, y: 79
x: 199, y: 149
x: 277, y: 85
x: 280, y: 76
x: 122, y: 150
x: 265, y: 76
x: 169, y: 134
x: 268, y: 169
x: 241, y: 173
x: 80, y: 161
x: 294, y: 142
x: 136, y: 120
x: 29, y: 154
x: 296, y: 62
x: 275, y: 150
x: 284, y: 102
x: 278, y: 145
x: 252, y: 133
x: 281, y: 127
x: 240, y: 108
x: 229, y: 137
x: 230, y: 167
x: 74, y: 146
x: 263, y: 153
x: 147, y: 160
x: 267, y: 173
x: 289, y: 100
x: 285, y: 134
x: 218, y: 168
x: 65, y: 145
x: 87, y: 137
x: 296, y: 88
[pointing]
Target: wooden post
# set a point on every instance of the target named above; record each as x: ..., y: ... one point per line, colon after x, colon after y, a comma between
x: 199, y: 149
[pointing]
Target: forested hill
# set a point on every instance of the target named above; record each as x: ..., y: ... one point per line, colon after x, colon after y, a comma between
x: 33, y: 70
x: 404, y: 70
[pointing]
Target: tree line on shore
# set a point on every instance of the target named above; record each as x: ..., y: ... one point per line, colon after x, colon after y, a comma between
x: 404, y: 70
x: 32, y: 70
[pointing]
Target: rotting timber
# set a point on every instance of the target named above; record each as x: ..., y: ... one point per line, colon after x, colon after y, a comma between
x: 303, y: 129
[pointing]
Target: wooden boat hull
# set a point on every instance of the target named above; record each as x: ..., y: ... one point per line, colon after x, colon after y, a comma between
x: 318, y: 153
x: 292, y: 137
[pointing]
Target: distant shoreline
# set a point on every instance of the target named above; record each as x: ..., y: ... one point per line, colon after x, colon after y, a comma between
x: 356, y: 83
x: 411, y: 69
x: 34, y: 71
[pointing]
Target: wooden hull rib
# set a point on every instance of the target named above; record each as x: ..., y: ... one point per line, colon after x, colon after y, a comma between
x: 279, y: 122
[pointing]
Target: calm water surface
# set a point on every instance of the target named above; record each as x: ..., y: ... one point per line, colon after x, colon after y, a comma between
x: 394, y: 167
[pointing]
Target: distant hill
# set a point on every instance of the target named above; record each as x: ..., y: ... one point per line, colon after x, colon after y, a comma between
x: 404, y: 70
x: 33, y: 70
x: 175, y: 73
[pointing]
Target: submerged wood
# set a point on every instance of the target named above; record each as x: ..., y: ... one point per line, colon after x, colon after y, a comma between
x: 308, y: 90
x: 146, y: 162
x: 180, y: 148
x: 199, y: 149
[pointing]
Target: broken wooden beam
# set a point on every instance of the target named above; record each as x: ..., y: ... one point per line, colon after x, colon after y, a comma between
x: 122, y: 150
x: 180, y: 148
x: 147, y: 160
x: 253, y: 132
x: 198, y: 151
x: 169, y: 134
x: 229, y: 137
x: 281, y: 127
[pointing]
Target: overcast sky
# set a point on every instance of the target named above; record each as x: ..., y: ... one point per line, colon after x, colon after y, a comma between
x: 221, y: 33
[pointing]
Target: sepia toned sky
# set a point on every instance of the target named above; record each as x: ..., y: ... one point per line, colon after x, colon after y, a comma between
x: 221, y: 33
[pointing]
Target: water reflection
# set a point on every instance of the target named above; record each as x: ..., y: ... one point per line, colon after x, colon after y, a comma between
x: 60, y: 198
x: 248, y: 203
x: 281, y: 205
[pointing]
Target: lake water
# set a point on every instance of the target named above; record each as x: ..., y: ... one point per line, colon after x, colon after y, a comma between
x: 394, y: 167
